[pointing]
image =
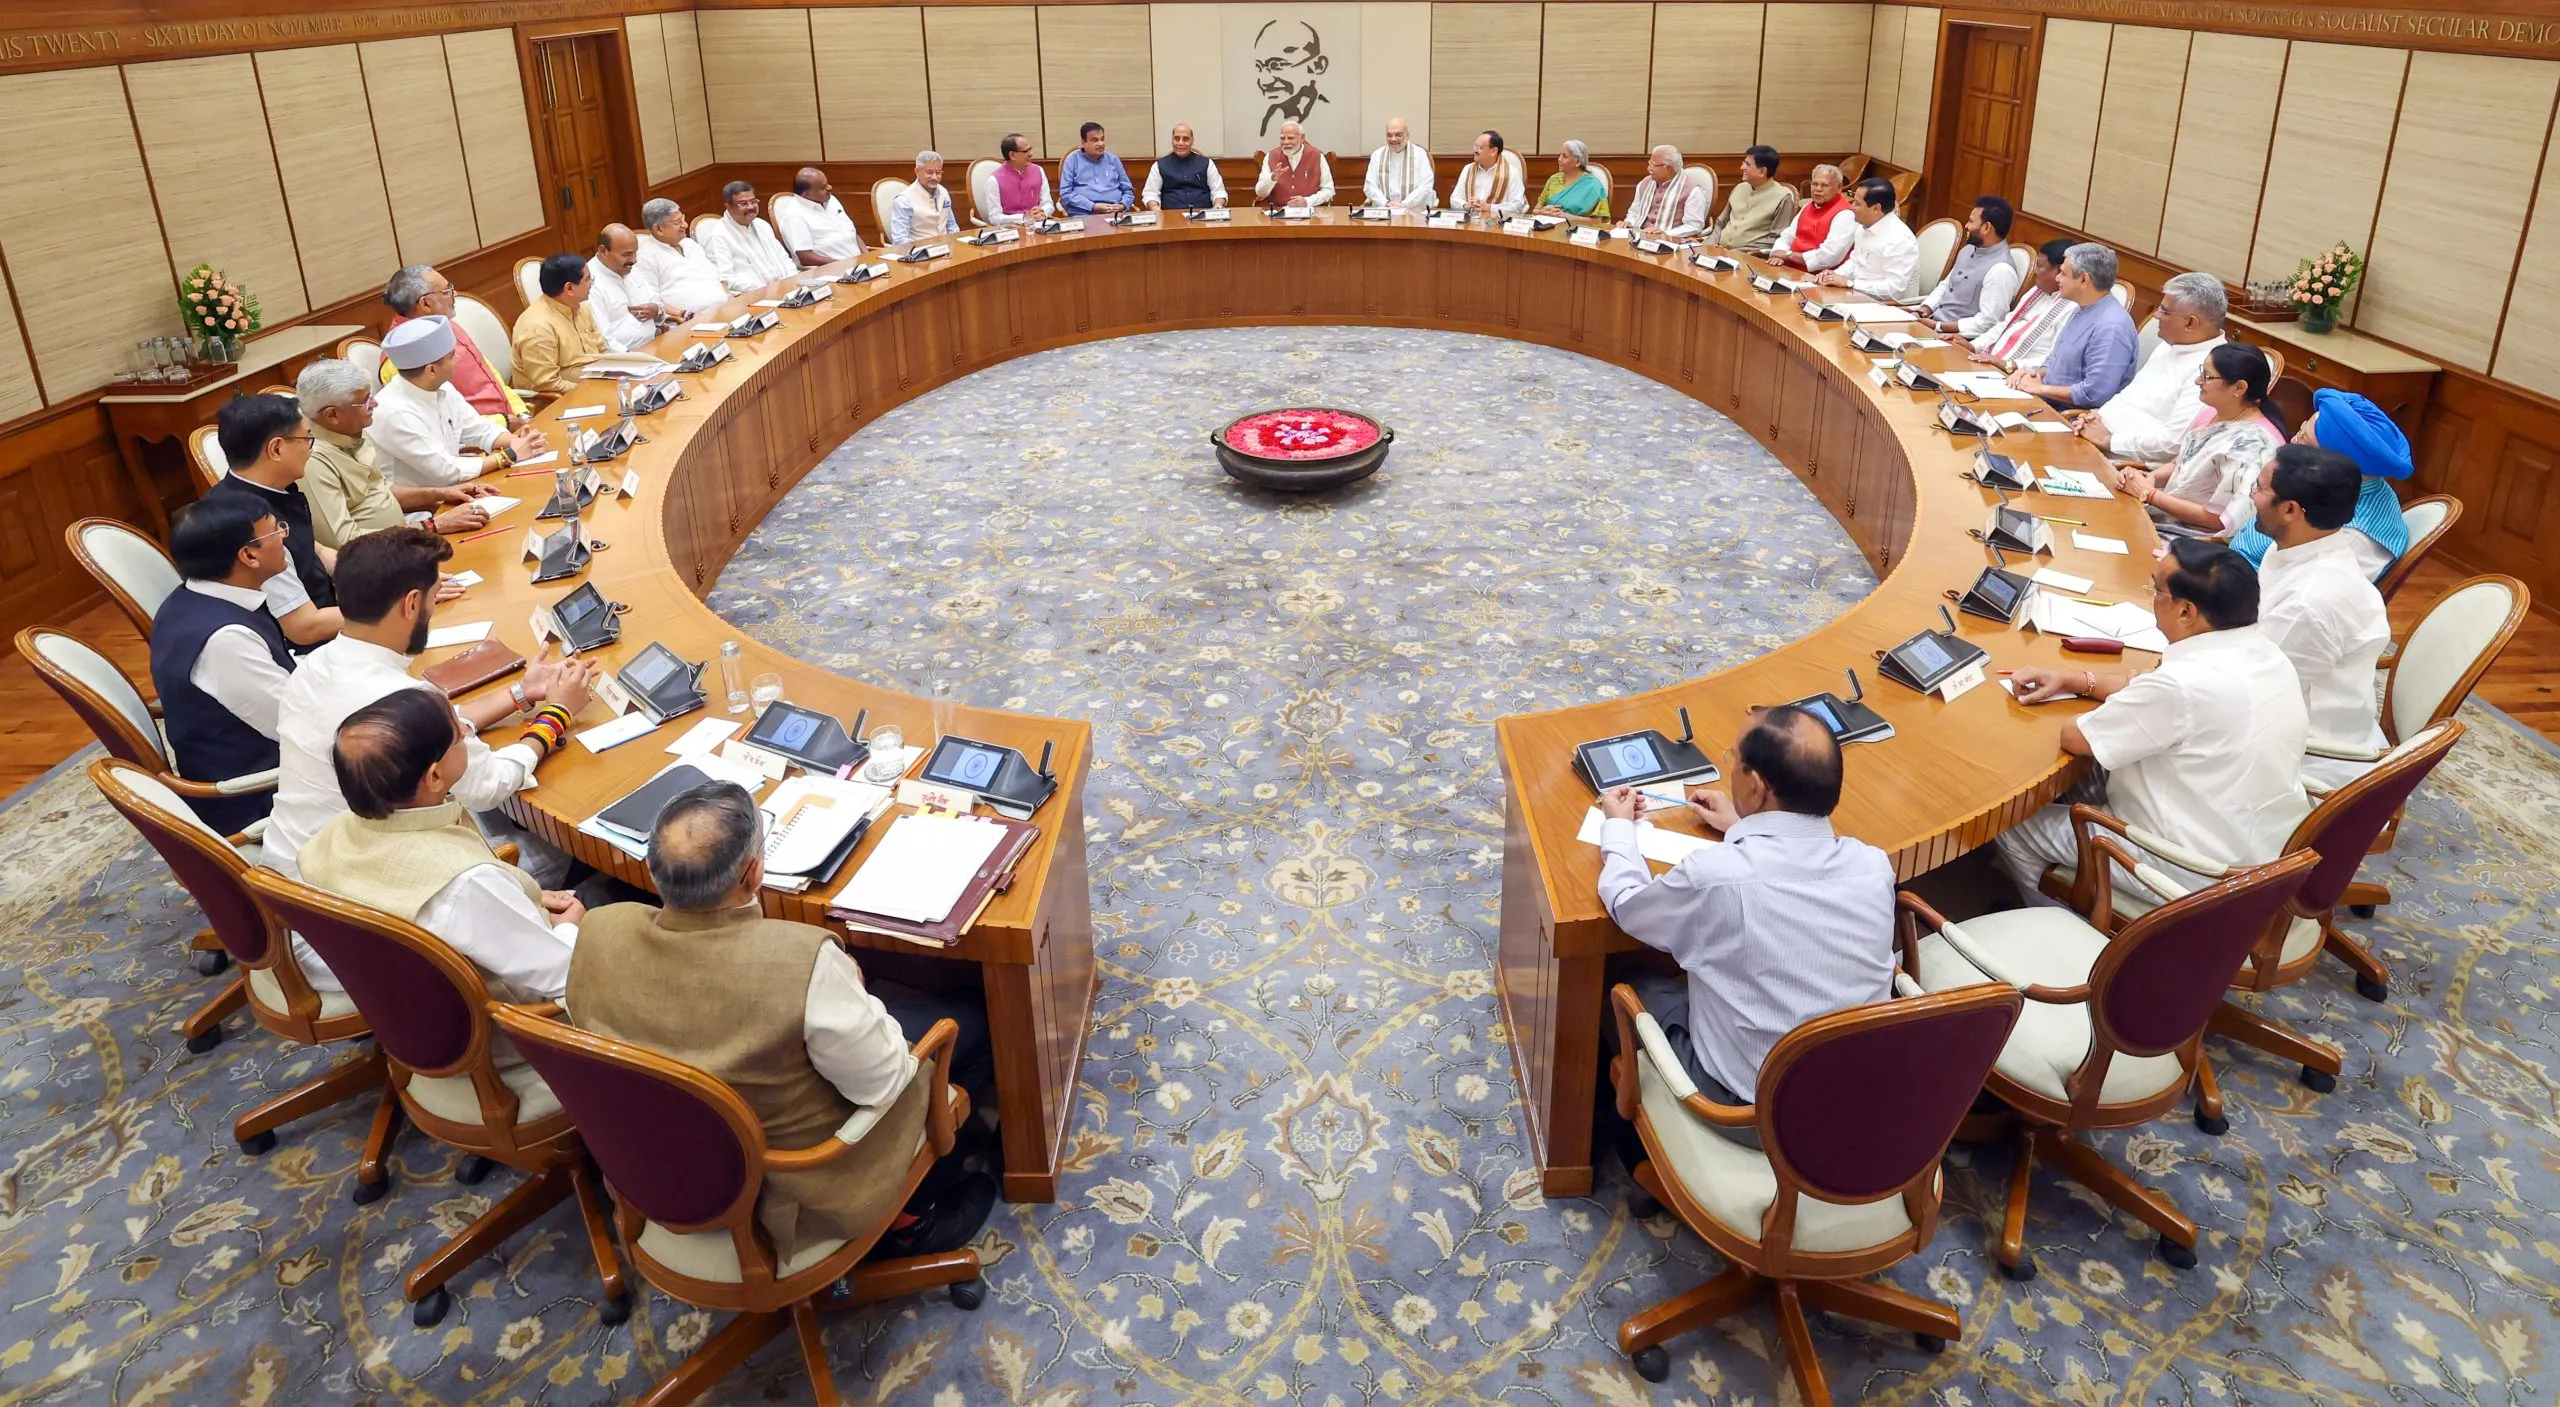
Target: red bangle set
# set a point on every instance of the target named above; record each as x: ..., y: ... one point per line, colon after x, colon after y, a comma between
x: 550, y: 723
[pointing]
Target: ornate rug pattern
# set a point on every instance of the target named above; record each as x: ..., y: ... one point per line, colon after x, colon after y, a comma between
x: 1297, y: 1172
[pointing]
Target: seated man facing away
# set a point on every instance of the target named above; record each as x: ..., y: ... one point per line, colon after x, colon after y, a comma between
x: 707, y: 980
x: 2023, y: 339
x: 2092, y: 356
x: 1882, y: 253
x: 673, y: 274
x: 2145, y: 421
x: 268, y: 446
x: 923, y: 209
x: 2364, y: 432
x: 350, y: 495
x: 556, y: 336
x: 404, y: 846
x: 419, y: 291
x: 2317, y: 604
x: 421, y: 425
x: 1182, y: 179
x: 1781, y: 923
x: 218, y: 660
x: 2204, y: 752
x: 742, y: 242
x: 812, y: 221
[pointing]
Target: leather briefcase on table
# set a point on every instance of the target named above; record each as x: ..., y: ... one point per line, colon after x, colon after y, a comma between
x: 485, y: 663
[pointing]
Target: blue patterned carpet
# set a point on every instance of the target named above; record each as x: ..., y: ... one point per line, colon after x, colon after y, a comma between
x: 1297, y: 1172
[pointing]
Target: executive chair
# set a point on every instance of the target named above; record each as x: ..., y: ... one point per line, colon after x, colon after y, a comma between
x: 528, y: 283
x: 884, y: 194
x: 126, y: 724
x: 983, y: 203
x: 1903, y: 185
x: 1852, y: 168
x: 2428, y: 520
x: 429, y: 1008
x: 1705, y: 180
x: 1854, y: 1110
x: 491, y: 336
x: 2122, y: 291
x: 135, y: 572
x: 205, y: 457
x: 687, y: 1159
x: 1939, y: 240
x: 2114, y: 1031
x: 2024, y: 263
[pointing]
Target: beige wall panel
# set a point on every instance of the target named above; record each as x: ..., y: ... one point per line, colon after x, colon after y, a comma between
x: 685, y: 86
x: 1097, y: 65
x: 2526, y: 353
x: 332, y: 186
x: 87, y: 286
x: 1183, y: 42
x: 761, y: 83
x: 1884, y: 79
x: 421, y: 146
x: 2137, y: 132
x: 644, y: 38
x: 2461, y: 113
x: 1592, y: 84
x: 1484, y: 74
x: 1917, y: 87
x: 1395, y: 75
x: 2065, y: 132
x: 871, y: 92
x: 1813, y: 73
x: 2224, y: 125
x: 984, y: 62
x: 18, y: 394
x: 2324, y: 168
x: 497, y: 146
x: 214, y: 173
x: 1706, y: 76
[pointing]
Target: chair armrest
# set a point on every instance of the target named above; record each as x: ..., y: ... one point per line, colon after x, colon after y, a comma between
x: 816, y: 1155
x: 2177, y: 854
x: 1675, y: 1076
x: 1989, y: 967
x: 932, y: 1062
x: 1905, y: 986
x: 2341, y: 751
x: 254, y: 833
x: 549, y: 1011
x: 248, y: 783
x: 506, y: 852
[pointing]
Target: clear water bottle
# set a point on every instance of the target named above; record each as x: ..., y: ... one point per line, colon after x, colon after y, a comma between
x: 622, y: 400
x: 733, y: 675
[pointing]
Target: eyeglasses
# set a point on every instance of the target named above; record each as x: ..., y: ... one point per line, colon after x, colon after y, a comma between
x: 279, y: 531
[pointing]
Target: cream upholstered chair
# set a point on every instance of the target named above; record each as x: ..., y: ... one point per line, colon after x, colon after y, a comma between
x: 884, y: 194
x: 365, y: 352
x: 2428, y: 520
x: 135, y: 571
x: 695, y: 229
x: 1705, y: 180
x: 982, y: 192
x: 126, y: 724
x: 2023, y: 262
x: 2122, y: 292
x: 205, y: 457
x: 1938, y: 242
x: 489, y: 334
x: 1609, y: 189
x: 2146, y: 340
x: 529, y: 280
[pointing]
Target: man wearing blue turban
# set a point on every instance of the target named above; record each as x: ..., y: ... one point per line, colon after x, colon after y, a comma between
x: 2358, y: 429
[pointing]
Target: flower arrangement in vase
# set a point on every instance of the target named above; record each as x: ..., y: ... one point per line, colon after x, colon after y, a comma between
x: 219, y: 313
x: 2322, y: 285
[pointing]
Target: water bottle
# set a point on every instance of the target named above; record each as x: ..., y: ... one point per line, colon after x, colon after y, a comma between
x: 733, y: 675
x: 622, y: 400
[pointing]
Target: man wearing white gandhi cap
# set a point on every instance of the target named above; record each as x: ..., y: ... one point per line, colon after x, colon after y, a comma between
x: 421, y: 425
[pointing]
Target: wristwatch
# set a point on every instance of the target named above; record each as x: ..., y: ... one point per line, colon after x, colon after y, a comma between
x: 524, y: 705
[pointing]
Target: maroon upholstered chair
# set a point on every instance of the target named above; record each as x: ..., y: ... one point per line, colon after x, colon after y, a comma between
x: 1854, y: 1111
x: 2113, y: 1031
x: 456, y: 1081
x: 270, y: 984
x: 687, y: 1160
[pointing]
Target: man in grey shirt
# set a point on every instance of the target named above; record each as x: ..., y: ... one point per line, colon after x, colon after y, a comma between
x: 1783, y: 922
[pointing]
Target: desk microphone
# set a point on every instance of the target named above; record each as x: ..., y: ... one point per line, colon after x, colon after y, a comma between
x: 1045, y: 749
x: 859, y: 718
x: 1948, y: 616
x: 1685, y: 732
x: 1857, y: 691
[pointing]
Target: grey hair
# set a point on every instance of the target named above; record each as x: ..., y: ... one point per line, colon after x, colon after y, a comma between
x: 330, y: 383
x: 2201, y: 294
x: 701, y: 844
x: 2096, y: 262
x: 1836, y: 175
x: 1581, y: 154
x: 1667, y: 152
x: 928, y: 157
x: 655, y: 213
x: 406, y: 288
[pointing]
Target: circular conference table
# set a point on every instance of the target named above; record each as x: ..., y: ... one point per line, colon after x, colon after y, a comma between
x: 744, y: 433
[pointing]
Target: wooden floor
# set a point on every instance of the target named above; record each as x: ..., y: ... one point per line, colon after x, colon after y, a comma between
x: 37, y: 731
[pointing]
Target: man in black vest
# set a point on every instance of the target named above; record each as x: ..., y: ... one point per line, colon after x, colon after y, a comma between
x: 267, y: 445
x: 1184, y: 179
x: 218, y: 658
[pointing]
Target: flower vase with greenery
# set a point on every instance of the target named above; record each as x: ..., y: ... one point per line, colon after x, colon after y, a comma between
x: 219, y: 313
x: 2323, y: 284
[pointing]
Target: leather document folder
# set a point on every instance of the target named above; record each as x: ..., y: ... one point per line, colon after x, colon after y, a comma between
x: 485, y: 663
x: 993, y: 877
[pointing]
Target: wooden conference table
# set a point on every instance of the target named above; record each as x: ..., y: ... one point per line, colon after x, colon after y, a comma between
x: 717, y: 460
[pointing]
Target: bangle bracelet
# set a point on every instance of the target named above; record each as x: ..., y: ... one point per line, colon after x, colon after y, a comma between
x: 2093, y: 682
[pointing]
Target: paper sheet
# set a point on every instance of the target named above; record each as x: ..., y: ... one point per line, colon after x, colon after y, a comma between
x: 583, y: 412
x: 2091, y: 542
x: 616, y: 733
x: 1652, y: 841
x: 920, y: 868
x: 2064, y: 581
x: 1872, y: 312
x: 703, y: 737
x: 2074, y: 483
x: 468, y: 633
x: 2063, y: 615
x: 496, y: 503
x: 466, y: 578
x: 546, y: 457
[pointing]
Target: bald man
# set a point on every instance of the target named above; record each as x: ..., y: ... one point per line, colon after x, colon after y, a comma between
x: 1295, y: 175
x: 1185, y: 178
x: 1400, y: 173
x: 812, y: 222
x: 624, y: 323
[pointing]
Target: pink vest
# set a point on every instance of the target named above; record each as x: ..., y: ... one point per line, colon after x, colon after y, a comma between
x: 1018, y: 191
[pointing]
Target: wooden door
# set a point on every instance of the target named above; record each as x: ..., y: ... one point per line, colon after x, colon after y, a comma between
x: 578, y: 136
x: 1990, y: 93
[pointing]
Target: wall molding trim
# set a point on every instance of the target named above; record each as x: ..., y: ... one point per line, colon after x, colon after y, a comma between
x: 122, y: 39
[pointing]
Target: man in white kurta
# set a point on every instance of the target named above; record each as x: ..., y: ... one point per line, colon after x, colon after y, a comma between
x: 1883, y: 253
x: 673, y: 272
x: 1400, y: 173
x: 421, y: 425
x: 2147, y: 420
x: 2317, y: 604
x: 743, y: 245
x: 1669, y: 203
x: 624, y: 321
x: 812, y: 222
x: 1492, y: 183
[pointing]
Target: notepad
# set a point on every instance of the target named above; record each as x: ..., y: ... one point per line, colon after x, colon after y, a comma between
x: 704, y: 736
x: 1652, y: 841
x: 468, y: 633
x: 2090, y: 542
x: 496, y: 503
x: 921, y: 868
x: 546, y: 457
x: 2063, y: 615
x: 2061, y: 581
x: 2073, y: 483
x: 614, y: 734
x: 465, y: 578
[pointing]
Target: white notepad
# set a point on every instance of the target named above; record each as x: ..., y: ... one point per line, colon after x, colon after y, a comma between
x: 1652, y: 841
x: 921, y: 868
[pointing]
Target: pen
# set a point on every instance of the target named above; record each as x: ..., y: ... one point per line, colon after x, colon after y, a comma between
x: 2088, y: 600
x: 2075, y: 522
x: 522, y: 473
x: 486, y: 532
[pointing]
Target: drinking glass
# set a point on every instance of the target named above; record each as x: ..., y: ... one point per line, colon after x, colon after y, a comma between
x: 887, y: 742
x: 160, y: 370
x: 946, y: 707
x: 764, y: 690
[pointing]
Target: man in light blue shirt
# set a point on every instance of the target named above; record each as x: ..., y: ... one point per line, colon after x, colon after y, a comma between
x: 1091, y: 181
x: 2093, y: 357
x: 1783, y: 922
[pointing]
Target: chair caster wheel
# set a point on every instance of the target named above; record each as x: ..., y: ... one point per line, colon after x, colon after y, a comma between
x: 1652, y: 1364
x: 2361, y: 910
x: 968, y: 1294
x: 368, y: 1193
x: 472, y: 1169
x: 258, y: 1143
x: 429, y: 1312
x: 1929, y: 1343
x: 2180, y: 1257
x: 2319, y: 1081
x: 2022, y: 1272
x: 211, y: 962
x: 1641, y: 1205
x: 611, y: 1311
x: 2373, y: 991
x: 198, y: 1045
x: 2215, y: 1124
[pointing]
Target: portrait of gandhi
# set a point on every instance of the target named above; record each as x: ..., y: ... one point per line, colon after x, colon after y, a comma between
x: 1288, y: 58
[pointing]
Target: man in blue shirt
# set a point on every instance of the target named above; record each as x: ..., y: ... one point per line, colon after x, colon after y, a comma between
x: 1092, y: 181
x: 2093, y: 357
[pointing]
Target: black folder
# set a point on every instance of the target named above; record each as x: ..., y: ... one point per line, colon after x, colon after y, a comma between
x: 637, y: 814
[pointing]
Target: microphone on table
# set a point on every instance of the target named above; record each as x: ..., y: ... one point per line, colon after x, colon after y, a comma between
x: 1045, y: 749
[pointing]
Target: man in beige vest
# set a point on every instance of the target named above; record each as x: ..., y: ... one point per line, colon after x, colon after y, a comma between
x: 704, y: 980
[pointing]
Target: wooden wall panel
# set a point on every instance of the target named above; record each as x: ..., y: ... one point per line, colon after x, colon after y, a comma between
x: 1706, y: 76
x: 2461, y: 113
x: 984, y: 64
x: 1917, y: 86
x: 872, y: 104
x: 1395, y: 73
x: 87, y: 287
x: 2527, y: 354
x: 332, y: 186
x: 761, y: 83
x: 1190, y: 89
x: 2324, y: 167
x: 213, y: 171
x: 497, y: 143
x: 2137, y: 132
x: 421, y: 145
x: 1813, y: 72
x: 2217, y: 175
x: 1097, y: 65
x: 644, y: 38
x: 685, y: 84
x: 2065, y: 129
x: 1588, y: 86
x: 1484, y: 74
x: 1884, y: 79
x: 18, y: 393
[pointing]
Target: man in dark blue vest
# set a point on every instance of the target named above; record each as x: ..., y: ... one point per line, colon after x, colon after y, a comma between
x: 218, y: 658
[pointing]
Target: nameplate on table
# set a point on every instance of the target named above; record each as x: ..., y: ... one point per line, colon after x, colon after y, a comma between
x: 1915, y: 378
x: 1218, y: 215
x: 1001, y: 234
x: 704, y: 357
x: 1373, y: 212
x: 1056, y: 226
x: 863, y: 273
x: 808, y: 295
x: 631, y: 483
x: 1656, y: 246
x: 1446, y: 219
x: 925, y: 253
x: 1520, y: 227
x: 1882, y: 374
x: 543, y: 626
x: 1295, y: 212
x: 1716, y: 263
x: 1137, y: 219
x: 1964, y: 681
x: 582, y: 412
x: 1547, y: 222
x: 769, y: 765
x: 533, y: 542
x: 1765, y: 284
x: 1587, y: 237
x: 609, y: 691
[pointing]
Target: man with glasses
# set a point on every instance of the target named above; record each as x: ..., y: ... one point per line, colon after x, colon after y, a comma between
x: 2146, y: 420
x: 219, y: 661
x: 418, y: 291
x: 267, y: 445
x: 348, y: 492
x: 422, y: 424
